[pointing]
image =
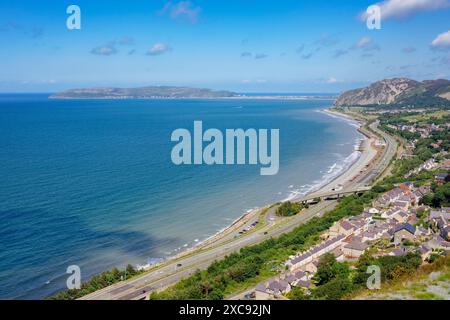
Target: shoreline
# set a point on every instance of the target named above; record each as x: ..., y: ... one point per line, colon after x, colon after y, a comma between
x: 244, y: 218
x: 166, y: 272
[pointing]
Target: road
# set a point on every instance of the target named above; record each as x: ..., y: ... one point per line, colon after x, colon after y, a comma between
x: 174, y: 270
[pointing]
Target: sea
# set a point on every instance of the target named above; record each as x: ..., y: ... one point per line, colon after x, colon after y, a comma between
x: 91, y: 182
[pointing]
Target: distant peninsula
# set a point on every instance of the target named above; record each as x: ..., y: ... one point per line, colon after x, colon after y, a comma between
x: 150, y: 92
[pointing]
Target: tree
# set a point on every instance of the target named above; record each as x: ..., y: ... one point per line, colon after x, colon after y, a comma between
x: 288, y: 208
x: 330, y: 269
x: 334, y: 290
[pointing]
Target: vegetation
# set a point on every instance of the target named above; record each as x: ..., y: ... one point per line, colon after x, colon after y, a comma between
x: 256, y: 263
x: 97, y: 282
x: 335, y: 280
x: 440, y: 196
x: 414, y: 284
x: 287, y: 209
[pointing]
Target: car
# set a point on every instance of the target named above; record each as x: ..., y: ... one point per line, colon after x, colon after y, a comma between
x: 249, y: 296
x: 179, y: 265
x: 266, y: 232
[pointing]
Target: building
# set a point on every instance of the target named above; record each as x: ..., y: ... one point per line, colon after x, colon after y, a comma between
x: 441, y: 178
x: 354, y: 249
x: 298, y: 261
x: 404, y: 231
x: 341, y: 228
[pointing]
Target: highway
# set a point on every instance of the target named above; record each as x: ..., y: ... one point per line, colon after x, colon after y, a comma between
x: 174, y: 270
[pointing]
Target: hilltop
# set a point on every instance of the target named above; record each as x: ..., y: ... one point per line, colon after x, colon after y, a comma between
x: 399, y: 91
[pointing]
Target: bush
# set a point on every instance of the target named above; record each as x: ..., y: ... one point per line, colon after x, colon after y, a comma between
x: 287, y: 209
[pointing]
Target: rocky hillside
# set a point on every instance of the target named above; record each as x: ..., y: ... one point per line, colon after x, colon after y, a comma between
x: 399, y: 91
x: 430, y: 282
x: 154, y: 92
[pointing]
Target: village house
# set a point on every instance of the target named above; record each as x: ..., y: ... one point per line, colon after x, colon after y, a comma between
x: 296, y: 262
x: 440, y: 220
x: 441, y: 178
x: 425, y: 251
x: 400, y: 216
x: 404, y: 231
x: 341, y: 227
x: 354, y: 249
x: 311, y: 268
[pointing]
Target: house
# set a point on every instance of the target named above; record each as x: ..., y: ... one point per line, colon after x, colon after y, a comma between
x: 437, y: 242
x: 400, y: 216
x: 261, y: 293
x: 383, y: 202
x: 441, y: 178
x: 444, y: 214
x: 342, y: 228
x: 354, y: 249
x: 302, y: 259
x: 425, y: 251
x: 413, y: 219
x: 399, y: 252
x: 421, y: 231
x: 445, y: 232
x: 441, y: 221
x: 278, y: 287
x: 369, y: 235
x: 391, y: 212
x: 404, y: 231
x: 311, y: 268
x: 403, y: 205
x: 338, y: 254
x: 406, y: 186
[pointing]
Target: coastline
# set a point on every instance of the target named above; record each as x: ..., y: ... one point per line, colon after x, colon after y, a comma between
x: 174, y: 268
x: 238, y: 97
x: 350, y: 169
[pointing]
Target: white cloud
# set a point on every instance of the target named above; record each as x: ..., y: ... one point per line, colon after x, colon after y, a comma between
x: 158, y: 48
x: 363, y: 42
x: 258, y: 81
x: 260, y: 56
x: 400, y: 9
x: 183, y: 10
x: 331, y: 80
x: 442, y: 41
x: 366, y: 44
x: 107, y: 50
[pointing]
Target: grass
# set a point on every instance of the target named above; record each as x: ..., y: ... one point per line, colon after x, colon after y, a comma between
x: 424, y: 117
x: 427, y: 296
x: 413, y: 286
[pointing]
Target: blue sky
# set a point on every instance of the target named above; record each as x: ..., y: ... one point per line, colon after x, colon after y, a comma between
x: 245, y: 46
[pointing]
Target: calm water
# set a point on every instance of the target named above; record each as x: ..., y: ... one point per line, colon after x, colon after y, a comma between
x: 91, y: 183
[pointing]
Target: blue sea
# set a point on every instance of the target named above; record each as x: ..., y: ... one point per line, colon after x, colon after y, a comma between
x: 91, y: 182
